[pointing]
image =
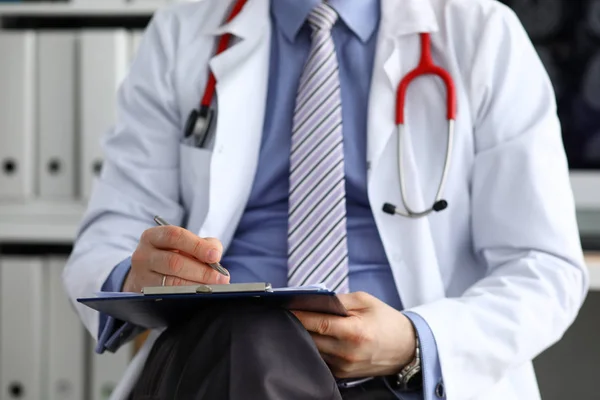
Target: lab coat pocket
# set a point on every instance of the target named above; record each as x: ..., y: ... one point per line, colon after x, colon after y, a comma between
x: 194, y: 182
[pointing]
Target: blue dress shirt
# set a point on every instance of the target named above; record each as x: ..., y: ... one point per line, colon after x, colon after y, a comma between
x: 258, y: 251
x: 259, y: 248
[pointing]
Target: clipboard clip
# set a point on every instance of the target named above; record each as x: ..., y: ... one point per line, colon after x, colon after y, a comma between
x: 259, y: 287
x: 204, y: 289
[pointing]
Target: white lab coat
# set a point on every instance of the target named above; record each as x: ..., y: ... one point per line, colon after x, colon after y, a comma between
x: 498, y: 276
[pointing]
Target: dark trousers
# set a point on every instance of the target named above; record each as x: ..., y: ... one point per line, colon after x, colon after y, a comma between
x: 243, y: 352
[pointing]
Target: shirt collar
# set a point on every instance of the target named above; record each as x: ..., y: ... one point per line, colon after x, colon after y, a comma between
x: 361, y: 16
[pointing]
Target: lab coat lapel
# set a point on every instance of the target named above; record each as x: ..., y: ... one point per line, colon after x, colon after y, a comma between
x: 398, y: 52
x: 408, y: 242
x: 242, y: 79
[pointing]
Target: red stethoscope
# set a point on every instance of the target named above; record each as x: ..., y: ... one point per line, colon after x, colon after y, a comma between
x: 426, y: 67
x: 200, y: 121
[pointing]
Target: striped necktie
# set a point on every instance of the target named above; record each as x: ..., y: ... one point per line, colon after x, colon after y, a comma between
x: 317, y: 244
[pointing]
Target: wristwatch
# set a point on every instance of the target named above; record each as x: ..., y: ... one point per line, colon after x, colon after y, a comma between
x: 410, y: 378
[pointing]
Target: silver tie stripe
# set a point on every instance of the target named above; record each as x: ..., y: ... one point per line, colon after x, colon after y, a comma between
x: 317, y: 244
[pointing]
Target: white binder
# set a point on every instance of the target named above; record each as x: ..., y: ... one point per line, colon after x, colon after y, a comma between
x: 136, y: 39
x: 103, y: 63
x: 56, y: 115
x: 17, y: 114
x: 107, y: 370
x: 66, y: 340
x: 100, y: 3
x: 22, y: 323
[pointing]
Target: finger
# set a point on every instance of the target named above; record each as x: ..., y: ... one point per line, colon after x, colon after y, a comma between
x: 175, y: 281
x: 344, y: 352
x: 180, y: 266
x: 330, y: 360
x: 323, y: 324
x: 340, y: 368
x: 155, y: 279
x: 328, y: 345
x: 216, y: 245
x: 356, y: 301
x: 176, y: 238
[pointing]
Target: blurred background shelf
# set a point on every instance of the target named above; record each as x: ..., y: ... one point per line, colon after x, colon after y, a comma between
x: 593, y: 262
x: 40, y: 222
x: 100, y: 8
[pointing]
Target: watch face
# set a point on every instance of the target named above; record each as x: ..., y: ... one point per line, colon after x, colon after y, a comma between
x: 394, y: 382
x: 416, y: 382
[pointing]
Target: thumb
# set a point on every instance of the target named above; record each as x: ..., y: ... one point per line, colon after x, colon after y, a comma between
x: 357, y: 301
x: 214, y: 255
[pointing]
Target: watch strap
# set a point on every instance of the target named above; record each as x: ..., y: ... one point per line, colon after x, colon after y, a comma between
x: 410, y: 377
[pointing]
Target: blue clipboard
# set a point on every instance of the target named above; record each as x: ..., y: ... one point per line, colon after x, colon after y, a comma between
x: 160, y: 310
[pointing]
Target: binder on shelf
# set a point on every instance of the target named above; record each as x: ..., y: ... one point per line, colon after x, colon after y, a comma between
x: 103, y: 63
x: 56, y: 115
x: 107, y: 369
x: 99, y: 3
x: 136, y: 39
x: 22, y: 328
x: 17, y: 114
x: 66, y: 340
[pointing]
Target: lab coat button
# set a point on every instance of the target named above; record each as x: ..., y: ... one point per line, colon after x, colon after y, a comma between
x: 439, y: 390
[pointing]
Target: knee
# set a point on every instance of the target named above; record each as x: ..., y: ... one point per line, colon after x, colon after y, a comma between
x: 254, y: 316
x: 257, y: 320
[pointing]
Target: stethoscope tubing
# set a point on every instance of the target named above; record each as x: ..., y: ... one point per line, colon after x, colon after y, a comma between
x: 410, y: 212
x: 425, y: 67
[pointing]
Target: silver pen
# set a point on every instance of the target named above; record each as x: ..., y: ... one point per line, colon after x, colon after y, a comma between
x: 216, y: 266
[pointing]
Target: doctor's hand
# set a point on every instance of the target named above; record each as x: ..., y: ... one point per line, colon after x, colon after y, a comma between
x: 375, y: 340
x: 176, y: 253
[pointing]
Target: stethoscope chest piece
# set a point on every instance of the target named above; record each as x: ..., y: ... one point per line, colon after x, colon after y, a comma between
x: 198, y: 125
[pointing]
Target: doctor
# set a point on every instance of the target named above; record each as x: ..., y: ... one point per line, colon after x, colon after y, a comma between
x: 487, y: 284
